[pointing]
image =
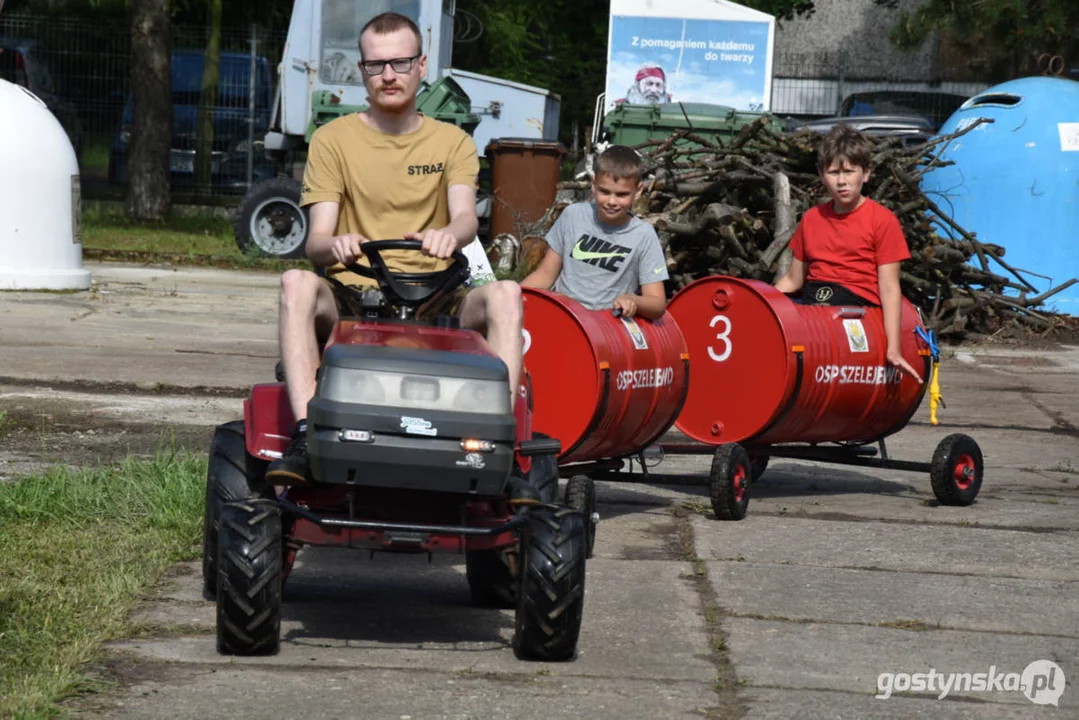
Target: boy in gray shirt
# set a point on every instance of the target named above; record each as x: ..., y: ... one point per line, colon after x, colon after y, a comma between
x: 599, y: 254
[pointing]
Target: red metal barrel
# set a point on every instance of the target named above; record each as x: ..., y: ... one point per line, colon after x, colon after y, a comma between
x: 606, y: 387
x: 767, y: 370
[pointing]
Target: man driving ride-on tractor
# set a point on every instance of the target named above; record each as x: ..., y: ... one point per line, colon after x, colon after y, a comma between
x: 386, y: 172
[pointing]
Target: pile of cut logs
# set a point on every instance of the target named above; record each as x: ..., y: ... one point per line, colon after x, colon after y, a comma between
x: 731, y: 209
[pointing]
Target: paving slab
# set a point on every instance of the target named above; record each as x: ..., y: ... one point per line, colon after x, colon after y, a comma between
x: 946, y: 549
x: 850, y: 658
x: 257, y: 693
x: 932, y: 601
x: 145, y: 326
x: 642, y: 619
x: 773, y: 704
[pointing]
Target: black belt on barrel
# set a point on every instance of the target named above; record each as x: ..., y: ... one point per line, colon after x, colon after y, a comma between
x: 820, y: 293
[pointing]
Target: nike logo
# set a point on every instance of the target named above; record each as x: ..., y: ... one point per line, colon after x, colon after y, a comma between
x: 600, y: 253
x: 657, y: 271
x: 579, y: 254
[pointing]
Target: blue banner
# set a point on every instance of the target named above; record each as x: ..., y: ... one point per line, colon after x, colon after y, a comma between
x: 660, y: 60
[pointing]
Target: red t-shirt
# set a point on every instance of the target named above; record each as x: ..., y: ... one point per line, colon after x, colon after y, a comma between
x: 846, y: 249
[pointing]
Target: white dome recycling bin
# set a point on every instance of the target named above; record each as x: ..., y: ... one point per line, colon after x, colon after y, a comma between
x: 40, y: 230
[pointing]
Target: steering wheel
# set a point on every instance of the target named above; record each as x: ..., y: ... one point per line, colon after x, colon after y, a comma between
x: 409, y: 289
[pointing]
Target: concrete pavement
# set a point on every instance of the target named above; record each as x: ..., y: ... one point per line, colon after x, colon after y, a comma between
x: 839, y: 579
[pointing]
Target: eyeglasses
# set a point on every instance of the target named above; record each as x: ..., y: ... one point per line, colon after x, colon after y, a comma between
x: 399, y: 65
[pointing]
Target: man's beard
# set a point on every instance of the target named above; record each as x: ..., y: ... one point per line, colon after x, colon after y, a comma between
x: 635, y: 97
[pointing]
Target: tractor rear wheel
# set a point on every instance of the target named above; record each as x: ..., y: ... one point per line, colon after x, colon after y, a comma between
x: 550, y: 599
x: 270, y: 221
x: 581, y: 495
x: 232, y: 475
x: 490, y: 580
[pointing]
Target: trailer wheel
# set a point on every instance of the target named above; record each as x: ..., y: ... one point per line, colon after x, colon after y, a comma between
x: 550, y: 598
x: 491, y: 581
x: 757, y: 465
x: 956, y: 470
x: 581, y: 496
x: 231, y: 475
x: 729, y: 482
x: 270, y: 220
x: 249, y: 579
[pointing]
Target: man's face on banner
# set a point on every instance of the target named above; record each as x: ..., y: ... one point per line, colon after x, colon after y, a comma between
x: 652, y: 88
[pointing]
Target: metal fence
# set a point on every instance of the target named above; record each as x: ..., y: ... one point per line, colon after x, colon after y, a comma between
x: 83, y: 72
x: 830, y: 83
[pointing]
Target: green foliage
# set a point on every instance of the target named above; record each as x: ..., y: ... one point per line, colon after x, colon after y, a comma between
x: 1007, y: 32
x: 782, y: 9
x: 557, y: 44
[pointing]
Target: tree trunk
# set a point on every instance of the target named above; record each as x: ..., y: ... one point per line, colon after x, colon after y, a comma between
x: 204, y: 129
x: 151, y: 131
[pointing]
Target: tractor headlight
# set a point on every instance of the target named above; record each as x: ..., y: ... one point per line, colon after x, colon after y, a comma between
x: 423, y: 392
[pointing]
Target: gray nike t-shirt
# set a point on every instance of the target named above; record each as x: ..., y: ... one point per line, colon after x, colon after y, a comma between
x: 600, y: 262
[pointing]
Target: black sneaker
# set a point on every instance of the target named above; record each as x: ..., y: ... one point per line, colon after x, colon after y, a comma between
x: 291, y: 468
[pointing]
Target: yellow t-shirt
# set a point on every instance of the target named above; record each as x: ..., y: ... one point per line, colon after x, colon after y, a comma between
x: 388, y: 185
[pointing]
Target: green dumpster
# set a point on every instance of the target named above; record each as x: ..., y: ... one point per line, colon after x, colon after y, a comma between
x: 443, y: 100
x: 633, y: 125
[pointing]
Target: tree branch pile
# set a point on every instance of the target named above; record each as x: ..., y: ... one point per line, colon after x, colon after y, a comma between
x: 731, y: 209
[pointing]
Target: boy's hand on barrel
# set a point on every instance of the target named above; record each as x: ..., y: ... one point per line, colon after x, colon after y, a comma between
x: 895, y: 358
x: 627, y: 304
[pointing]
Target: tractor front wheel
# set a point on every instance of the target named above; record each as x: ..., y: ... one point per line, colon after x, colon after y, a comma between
x: 550, y: 598
x: 249, y: 579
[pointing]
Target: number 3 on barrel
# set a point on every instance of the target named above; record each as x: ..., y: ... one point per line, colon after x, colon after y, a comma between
x: 724, y: 336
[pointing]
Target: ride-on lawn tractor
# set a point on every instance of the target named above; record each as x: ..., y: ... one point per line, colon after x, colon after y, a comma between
x: 415, y: 445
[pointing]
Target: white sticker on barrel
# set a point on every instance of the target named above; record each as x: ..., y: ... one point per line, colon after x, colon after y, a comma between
x: 1069, y: 136
x: 856, y: 336
x: 635, y: 333
x: 526, y: 341
x: 647, y: 378
x: 858, y: 374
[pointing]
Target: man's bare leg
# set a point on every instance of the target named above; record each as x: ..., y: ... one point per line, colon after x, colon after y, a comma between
x: 307, y: 311
x: 495, y: 310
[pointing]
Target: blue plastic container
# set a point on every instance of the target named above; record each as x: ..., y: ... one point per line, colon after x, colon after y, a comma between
x: 1015, y: 181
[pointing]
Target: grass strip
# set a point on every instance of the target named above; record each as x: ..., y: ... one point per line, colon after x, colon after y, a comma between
x: 77, y: 549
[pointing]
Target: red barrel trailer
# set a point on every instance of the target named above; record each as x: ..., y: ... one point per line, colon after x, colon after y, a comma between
x: 605, y: 386
x: 775, y: 378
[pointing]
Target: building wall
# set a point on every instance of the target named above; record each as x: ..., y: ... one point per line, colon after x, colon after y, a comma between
x: 851, y: 35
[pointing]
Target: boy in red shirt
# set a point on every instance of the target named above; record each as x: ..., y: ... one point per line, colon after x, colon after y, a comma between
x: 847, y: 251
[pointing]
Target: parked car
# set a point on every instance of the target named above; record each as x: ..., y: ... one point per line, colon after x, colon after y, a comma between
x: 936, y: 107
x: 912, y: 129
x: 22, y: 62
x: 231, y: 116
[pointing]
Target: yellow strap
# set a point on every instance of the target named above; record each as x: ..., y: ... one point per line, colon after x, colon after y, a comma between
x: 935, y: 397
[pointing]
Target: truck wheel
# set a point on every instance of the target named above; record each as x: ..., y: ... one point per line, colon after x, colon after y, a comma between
x: 729, y: 482
x: 550, y: 598
x: 232, y: 475
x: 270, y: 220
x: 956, y: 470
x: 490, y: 579
x: 581, y: 496
x: 249, y: 579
